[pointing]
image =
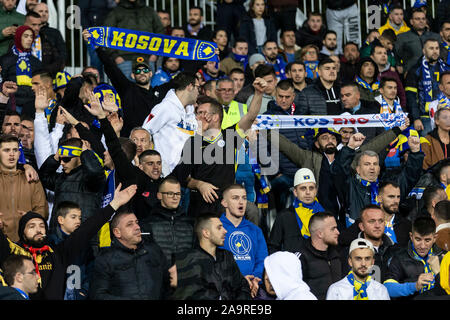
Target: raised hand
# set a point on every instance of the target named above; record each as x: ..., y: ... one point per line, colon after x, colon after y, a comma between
x: 109, y: 103
x: 95, y: 108
x: 68, y: 116
x: 122, y: 197
x: 9, y: 87
x: 259, y: 84
x: 356, y: 140
x: 41, y: 99
x: 414, y: 143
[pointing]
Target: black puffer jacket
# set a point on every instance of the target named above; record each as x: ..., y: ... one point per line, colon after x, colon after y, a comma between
x: 405, y: 268
x: 126, y: 274
x: 83, y: 185
x: 313, y: 99
x: 172, y: 230
x: 320, y: 268
x: 24, y: 95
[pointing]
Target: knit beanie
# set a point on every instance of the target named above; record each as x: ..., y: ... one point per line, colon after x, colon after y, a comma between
x: 18, y: 37
x: 24, y: 220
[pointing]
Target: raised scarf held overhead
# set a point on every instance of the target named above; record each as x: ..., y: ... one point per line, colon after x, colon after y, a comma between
x: 427, y: 80
x: 23, y: 67
x: 152, y: 43
x: 359, y: 288
x: 304, y: 212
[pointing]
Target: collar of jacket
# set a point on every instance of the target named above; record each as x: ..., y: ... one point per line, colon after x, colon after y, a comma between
x: 330, y: 254
x: 165, y: 213
x: 118, y: 245
x: 219, y: 254
x: 386, y: 242
x: 435, y: 134
x: 73, y: 171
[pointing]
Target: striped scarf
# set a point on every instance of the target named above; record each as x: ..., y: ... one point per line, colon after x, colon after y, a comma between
x: 372, y: 87
x: 446, y: 46
x: 304, y: 212
x: 374, y: 186
x: 385, y: 110
x: 49, y: 109
x: 359, y: 288
x: 36, y: 48
x: 23, y: 67
x: 389, y: 229
x: 426, y: 266
x: 427, y: 83
x: 34, y: 252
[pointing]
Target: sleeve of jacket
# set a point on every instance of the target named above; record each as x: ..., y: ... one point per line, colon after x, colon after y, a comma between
x: 124, y: 168
x: 42, y: 144
x: 292, y: 151
x: 72, y: 247
x: 275, y: 241
x: 412, y: 94
x: 86, y: 134
x: 102, y: 278
x: 427, y: 150
x: 93, y: 171
x: 48, y: 174
x: 341, y: 172
x: 71, y: 94
x: 394, y: 280
x: 411, y: 173
x: 39, y: 200
x: 118, y: 79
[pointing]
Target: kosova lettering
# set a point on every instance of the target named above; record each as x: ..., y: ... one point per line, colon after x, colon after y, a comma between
x: 144, y: 42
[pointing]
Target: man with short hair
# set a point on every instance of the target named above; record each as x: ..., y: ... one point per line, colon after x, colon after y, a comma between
x: 164, y: 16
x: 432, y: 195
x: 20, y: 274
x: 210, y: 71
x: 238, y: 57
x: 195, y: 279
x: 388, y: 99
x: 195, y: 28
x: 443, y: 99
x: 150, y: 162
x: 267, y: 73
x: 409, y: 44
x: 171, y: 129
x: 207, y: 177
x: 168, y: 224
x: 349, y: 61
x: 288, y: 48
x: 297, y: 72
x: 353, y: 104
x: 323, y: 96
x: 395, y: 20
x: 290, y: 228
x: 441, y: 217
x: 358, y: 284
x: 380, y: 57
x: 17, y: 194
x: 412, y: 270
x: 238, y: 77
x: 147, y: 280
x: 169, y: 68
x: 422, y: 85
x: 270, y: 52
x: 329, y: 47
x: 243, y: 238
x: 233, y: 111
x: 321, y: 262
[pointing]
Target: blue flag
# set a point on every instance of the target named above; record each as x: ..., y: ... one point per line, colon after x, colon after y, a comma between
x: 152, y: 43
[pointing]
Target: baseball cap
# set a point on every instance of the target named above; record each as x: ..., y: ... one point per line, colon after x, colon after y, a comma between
x: 139, y: 62
x: 361, y: 243
x: 303, y: 175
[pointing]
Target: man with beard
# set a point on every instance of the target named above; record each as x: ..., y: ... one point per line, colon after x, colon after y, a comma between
x: 329, y: 47
x: 397, y: 228
x: 195, y: 28
x: 358, y: 284
x: 270, y: 52
x: 297, y: 72
x: 51, y: 262
x: 444, y: 45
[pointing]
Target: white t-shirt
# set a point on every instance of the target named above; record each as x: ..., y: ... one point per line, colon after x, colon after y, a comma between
x: 343, y: 290
x: 170, y: 125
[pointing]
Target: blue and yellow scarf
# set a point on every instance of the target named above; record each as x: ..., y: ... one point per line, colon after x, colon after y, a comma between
x: 372, y: 87
x: 304, y: 212
x: 23, y: 67
x: 374, y: 186
x: 359, y: 288
x: 389, y: 229
x: 427, y: 80
x: 312, y: 69
x: 426, y: 266
x: 446, y: 46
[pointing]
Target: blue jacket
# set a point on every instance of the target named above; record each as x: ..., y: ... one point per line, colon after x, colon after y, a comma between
x: 161, y: 76
x: 247, y: 244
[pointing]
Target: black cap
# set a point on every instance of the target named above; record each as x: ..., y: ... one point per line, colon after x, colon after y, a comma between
x: 140, y: 62
x: 24, y: 220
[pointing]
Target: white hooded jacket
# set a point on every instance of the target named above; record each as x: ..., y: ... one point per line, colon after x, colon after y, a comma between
x: 284, y: 270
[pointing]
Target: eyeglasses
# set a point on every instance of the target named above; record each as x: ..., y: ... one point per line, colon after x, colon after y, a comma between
x: 66, y: 159
x: 144, y: 70
x: 172, y: 194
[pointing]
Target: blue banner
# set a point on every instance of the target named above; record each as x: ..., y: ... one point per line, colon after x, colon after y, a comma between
x: 152, y: 43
